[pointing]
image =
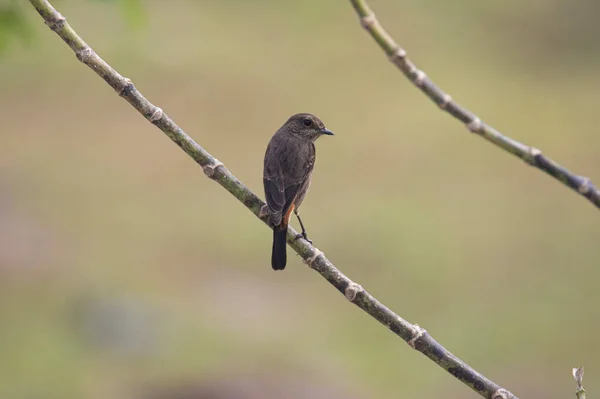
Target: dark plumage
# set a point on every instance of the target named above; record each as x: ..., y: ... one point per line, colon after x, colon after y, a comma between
x: 289, y: 163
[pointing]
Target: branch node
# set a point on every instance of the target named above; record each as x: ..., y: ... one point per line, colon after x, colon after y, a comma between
x: 420, y: 78
x: 503, y: 394
x: 368, y: 21
x: 475, y: 125
x: 157, y: 114
x: 84, y: 54
x: 446, y: 99
x: 309, y: 261
x: 57, y: 23
x: 418, y: 333
x: 209, y: 170
x: 352, y: 290
x: 127, y: 88
x: 398, y: 55
x: 584, y: 187
x: 532, y: 155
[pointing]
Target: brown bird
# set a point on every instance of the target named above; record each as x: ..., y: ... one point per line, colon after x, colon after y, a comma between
x: 289, y: 163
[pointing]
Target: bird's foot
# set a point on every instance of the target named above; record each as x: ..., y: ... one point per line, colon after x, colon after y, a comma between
x: 304, y: 236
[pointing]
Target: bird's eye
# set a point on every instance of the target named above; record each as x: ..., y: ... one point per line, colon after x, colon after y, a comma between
x: 307, y: 122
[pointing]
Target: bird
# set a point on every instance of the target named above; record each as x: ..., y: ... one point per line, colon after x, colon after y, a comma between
x: 288, y: 167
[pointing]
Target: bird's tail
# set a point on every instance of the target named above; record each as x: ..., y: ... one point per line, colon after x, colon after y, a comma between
x: 279, y: 256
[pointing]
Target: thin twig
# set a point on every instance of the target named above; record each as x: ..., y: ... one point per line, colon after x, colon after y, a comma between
x: 578, y: 376
x: 474, y: 124
x: 415, y: 336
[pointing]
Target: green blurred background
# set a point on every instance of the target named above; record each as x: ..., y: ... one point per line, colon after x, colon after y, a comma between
x: 126, y: 273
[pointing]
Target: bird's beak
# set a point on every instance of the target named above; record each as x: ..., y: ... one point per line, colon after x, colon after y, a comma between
x: 326, y: 131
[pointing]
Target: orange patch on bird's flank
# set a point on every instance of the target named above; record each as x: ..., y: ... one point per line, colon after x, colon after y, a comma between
x: 288, y: 214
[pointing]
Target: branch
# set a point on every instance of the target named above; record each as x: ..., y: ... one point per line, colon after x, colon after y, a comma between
x: 578, y: 376
x: 531, y: 155
x: 414, y: 335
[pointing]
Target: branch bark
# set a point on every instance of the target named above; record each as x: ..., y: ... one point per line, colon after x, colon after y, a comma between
x: 578, y: 376
x: 414, y: 335
x: 531, y: 155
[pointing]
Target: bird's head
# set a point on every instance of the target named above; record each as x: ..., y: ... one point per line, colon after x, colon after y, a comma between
x: 306, y: 126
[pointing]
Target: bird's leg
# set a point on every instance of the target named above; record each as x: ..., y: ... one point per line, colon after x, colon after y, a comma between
x: 303, y: 234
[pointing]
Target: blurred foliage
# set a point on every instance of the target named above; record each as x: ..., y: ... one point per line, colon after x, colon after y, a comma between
x: 13, y: 24
x: 560, y: 28
x: 555, y: 32
x: 16, y: 24
x: 133, y: 11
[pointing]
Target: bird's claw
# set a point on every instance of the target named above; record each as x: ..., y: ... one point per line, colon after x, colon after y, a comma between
x: 304, y: 236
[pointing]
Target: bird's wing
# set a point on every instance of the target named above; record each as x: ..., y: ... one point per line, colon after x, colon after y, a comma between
x: 285, y: 175
x: 280, y: 198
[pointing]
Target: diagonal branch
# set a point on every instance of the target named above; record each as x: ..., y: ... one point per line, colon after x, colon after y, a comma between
x: 531, y: 155
x: 414, y: 335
